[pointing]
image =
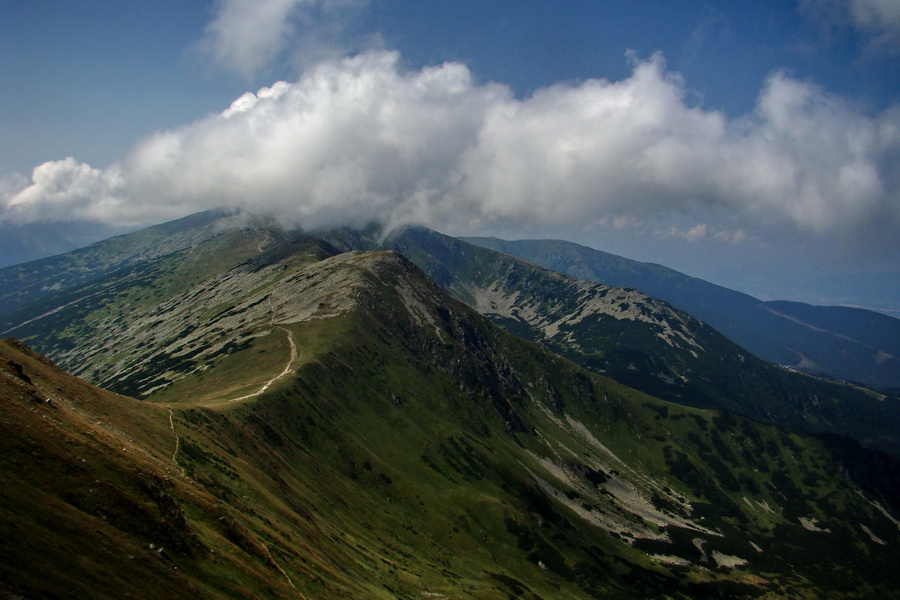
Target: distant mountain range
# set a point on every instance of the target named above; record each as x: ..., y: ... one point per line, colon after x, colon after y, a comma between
x: 33, y: 241
x: 845, y: 343
x: 318, y: 421
x: 644, y: 342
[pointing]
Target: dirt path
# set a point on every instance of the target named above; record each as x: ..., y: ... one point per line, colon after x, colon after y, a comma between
x: 287, y: 369
x: 268, y: 238
x: 177, y: 442
x: 261, y: 246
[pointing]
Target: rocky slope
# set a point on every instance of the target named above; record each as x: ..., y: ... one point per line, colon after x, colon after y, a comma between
x: 30, y: 282
x: 845, y: 343
x: 136, y: 313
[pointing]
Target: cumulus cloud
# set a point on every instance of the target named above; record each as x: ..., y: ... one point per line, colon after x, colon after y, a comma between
x: 572, y: 153
x: 64, y: 190
x: 361, y: 139
x: 247, y: 35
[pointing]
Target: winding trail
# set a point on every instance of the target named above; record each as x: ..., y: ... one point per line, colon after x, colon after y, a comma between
x: 287, y: 369
x: 266, y: 240
x: 177, y: 442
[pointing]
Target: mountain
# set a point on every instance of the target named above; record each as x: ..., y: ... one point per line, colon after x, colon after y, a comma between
x: 645, y: 343
x: 321, y: 424
x: 132, y: 313
x: 845, y: 343
x: 93, y: 506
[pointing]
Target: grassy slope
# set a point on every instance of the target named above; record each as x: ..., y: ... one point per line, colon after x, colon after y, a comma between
x: 412, y: 453
x: 120, y: 333
x: 496, y: 509
x: 92, y: 504
x: 30, y: 282
x: 419, y: 450
x: 85, y: 334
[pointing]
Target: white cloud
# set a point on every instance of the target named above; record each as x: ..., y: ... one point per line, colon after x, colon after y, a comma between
x: 10, y: 187
x: 882, y: 19
x: 696, y: 233
x: 733, y: 237
x: 361, y: 139
x: 883, y: 15
x: 701, y: 232
x: 246, y: 34
x: 618, y: 222
x: 65, y: 190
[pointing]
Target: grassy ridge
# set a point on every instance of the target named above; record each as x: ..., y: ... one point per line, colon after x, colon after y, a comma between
x: 414, y: 450
x: 443, y: 489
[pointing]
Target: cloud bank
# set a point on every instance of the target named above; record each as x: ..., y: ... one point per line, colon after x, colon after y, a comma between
x: 362, y: 139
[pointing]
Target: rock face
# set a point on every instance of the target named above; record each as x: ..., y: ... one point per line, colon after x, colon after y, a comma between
x: 321, y: 424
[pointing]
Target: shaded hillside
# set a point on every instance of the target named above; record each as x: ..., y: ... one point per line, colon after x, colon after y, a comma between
x: 645, y: 343
x: 851, y: 344
x: 93, y: 506
x: 367, y: 436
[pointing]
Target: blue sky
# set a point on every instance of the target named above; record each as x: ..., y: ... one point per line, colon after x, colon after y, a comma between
x: 752, y: 144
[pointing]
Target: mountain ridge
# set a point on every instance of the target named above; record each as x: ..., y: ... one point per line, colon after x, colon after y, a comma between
x: 416, y: 449
x: 142, y: 327
x: 590, y: 324
x: 865, y: 353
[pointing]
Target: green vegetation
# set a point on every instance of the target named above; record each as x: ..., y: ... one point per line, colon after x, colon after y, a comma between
x: 321, y: 425
x: 418, y: 451
x: 845, y: 343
